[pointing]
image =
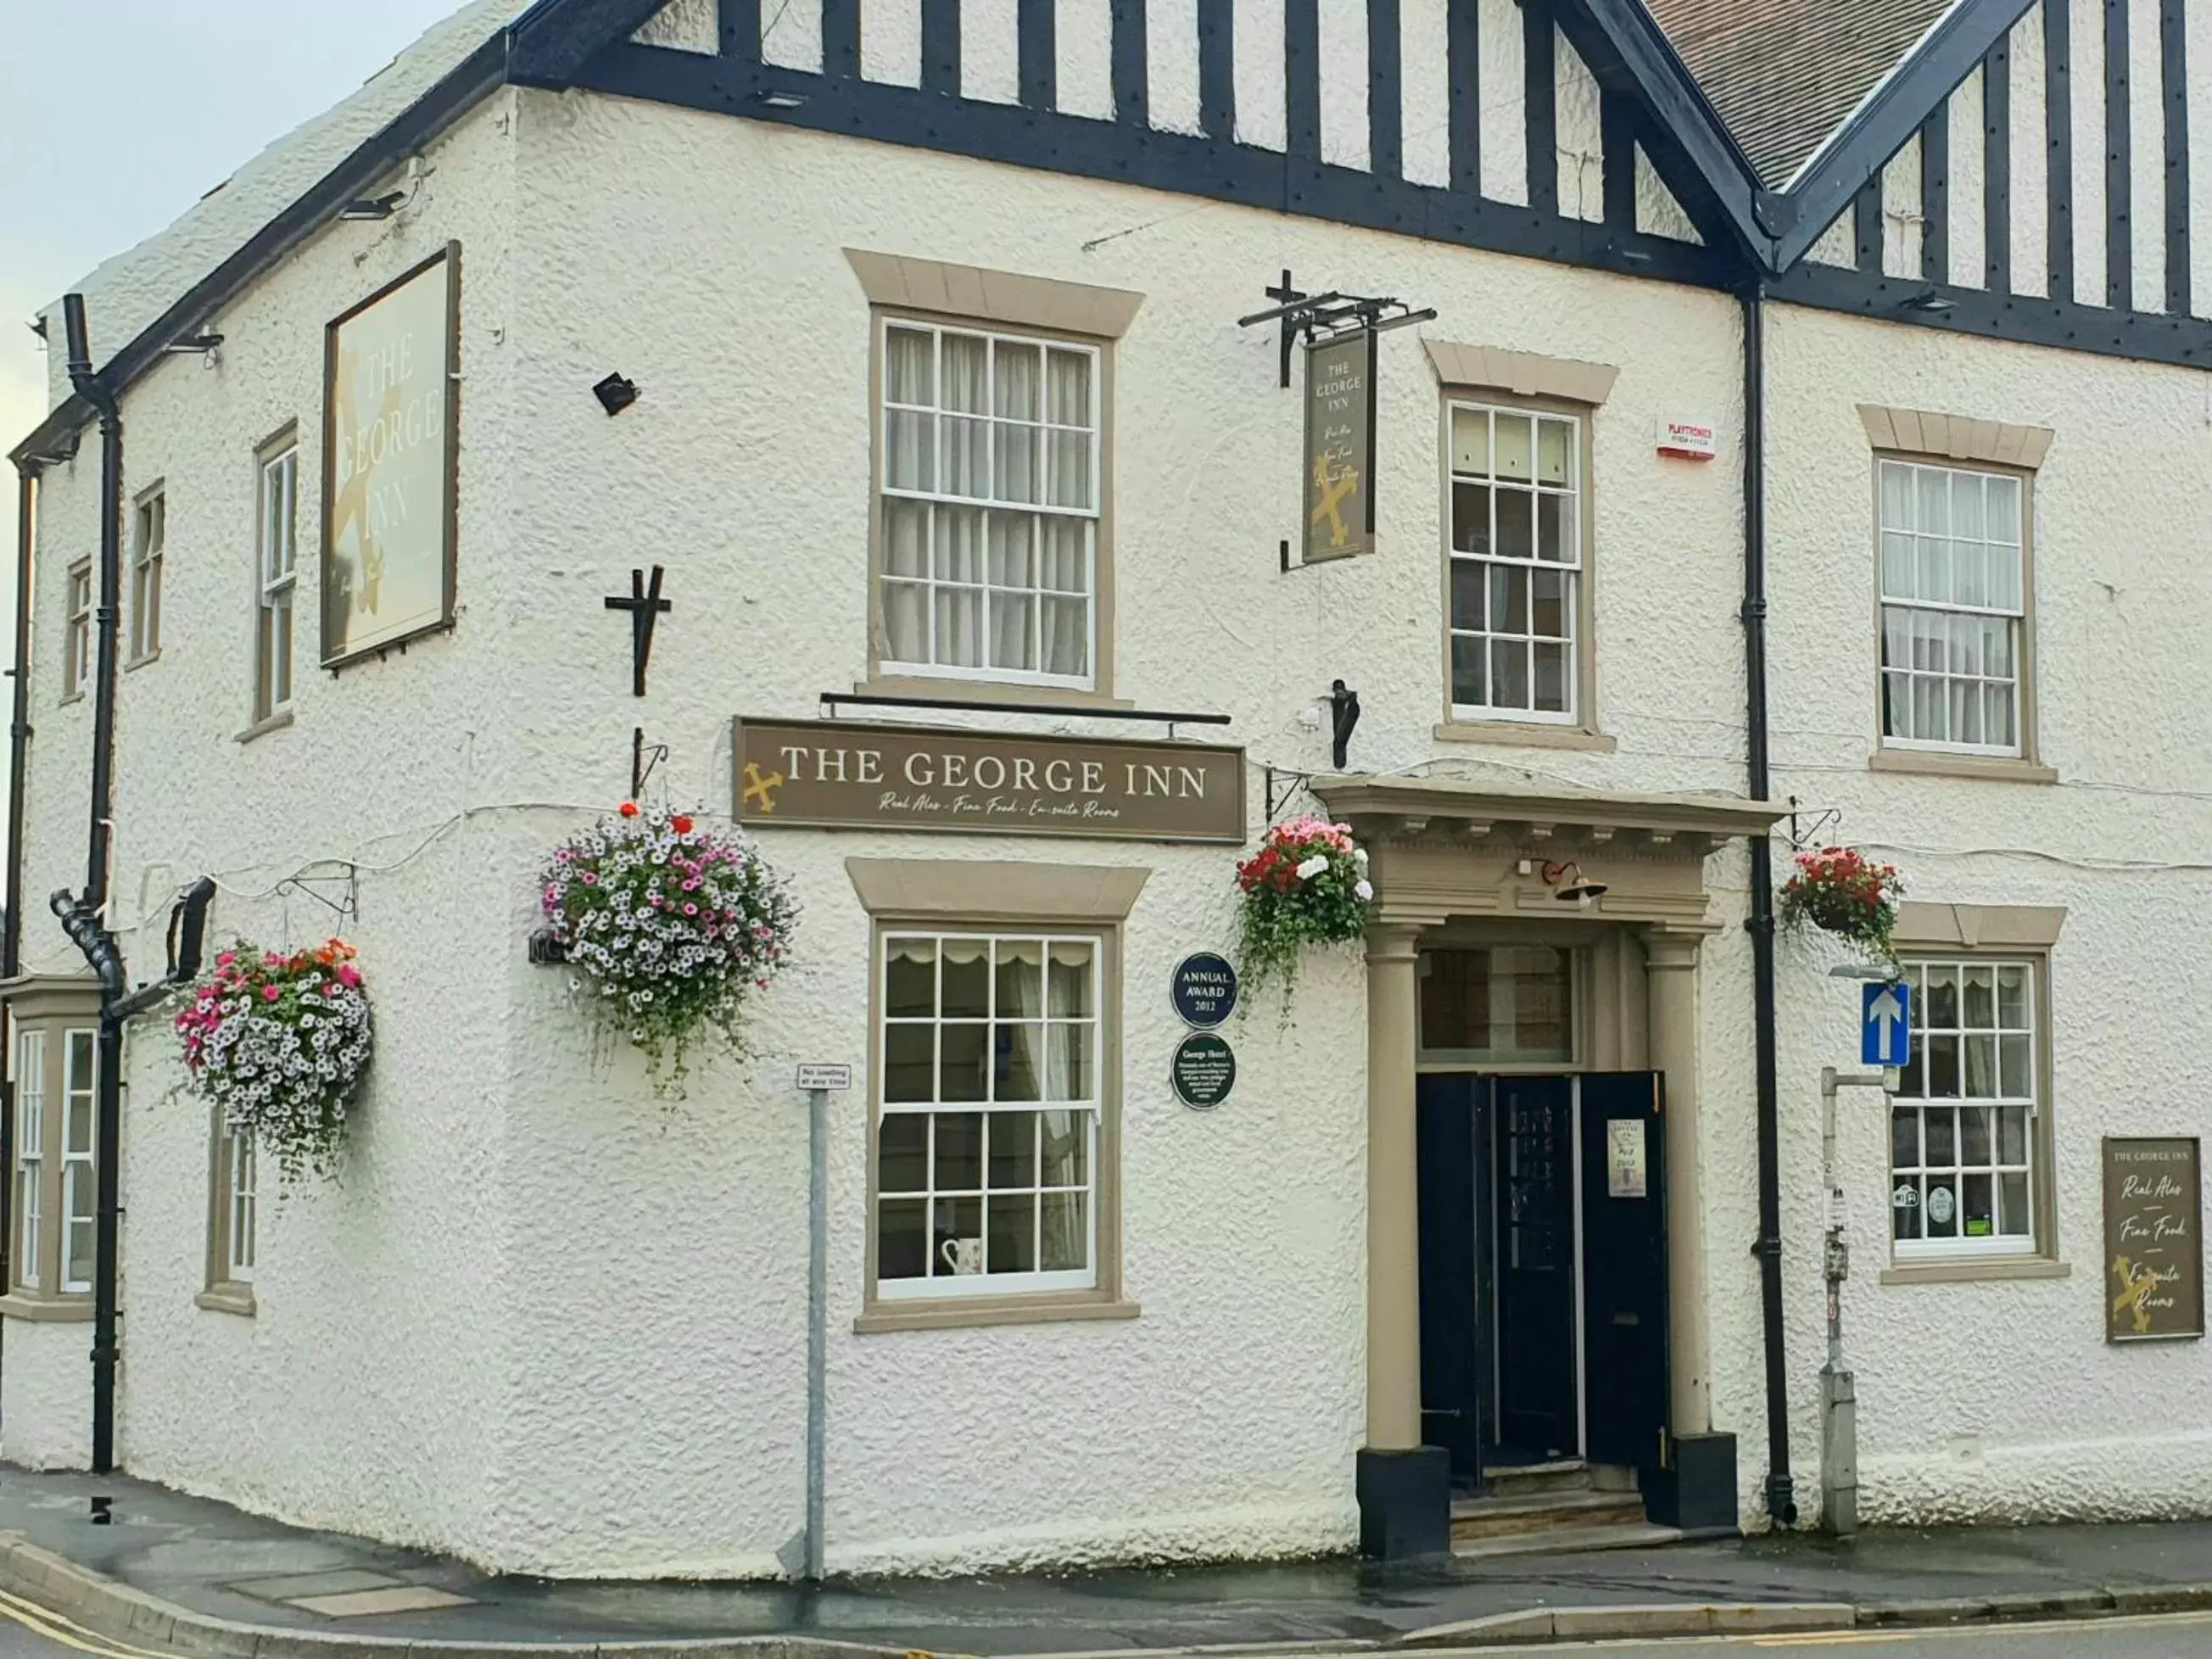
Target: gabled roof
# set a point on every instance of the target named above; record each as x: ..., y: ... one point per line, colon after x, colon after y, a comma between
x: 1785, y: 75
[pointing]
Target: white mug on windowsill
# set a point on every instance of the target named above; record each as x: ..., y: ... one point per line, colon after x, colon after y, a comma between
x: 962, y: 1256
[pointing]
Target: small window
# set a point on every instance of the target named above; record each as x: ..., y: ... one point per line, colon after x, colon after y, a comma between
x: 55, y: 1194
x: 77, y: 633
x: 1515, y: 564
x: 987, y: 1144
x: 232, y: 1216
x: 1963, y: 1123
x: 150, y: 532
x: 279, y: 566
x: 991, y: 478
x: 31, y: 1157
x: 1506, y: 1004
x: 1953, y: 608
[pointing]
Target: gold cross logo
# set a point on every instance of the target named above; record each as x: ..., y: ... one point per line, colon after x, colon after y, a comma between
x: 1331, y: 493
x: 760, y: 788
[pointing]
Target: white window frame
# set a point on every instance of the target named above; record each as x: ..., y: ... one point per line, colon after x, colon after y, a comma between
x: 77, y: 630
x: 30, y: 1173
x: 79, y: 1186
x: 1574, y: 568
x: 241, y: 1201
x: 277, y: 566
x: 941, y: 1282
x: 150, y: 535
x: 1903, y: 547
x: 2012, y: 1048
x: 1093, y: 516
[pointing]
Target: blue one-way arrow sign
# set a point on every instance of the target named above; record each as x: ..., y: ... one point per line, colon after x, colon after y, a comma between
x: 1886, y: 1025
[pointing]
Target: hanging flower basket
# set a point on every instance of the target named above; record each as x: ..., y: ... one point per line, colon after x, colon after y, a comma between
x: 668, y: 925
x: 1306, y: 886
x: 280, y: 1043
x: 1840, y: 890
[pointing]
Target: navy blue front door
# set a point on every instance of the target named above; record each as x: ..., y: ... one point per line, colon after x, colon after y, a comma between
x: 1455, y: 1330
x: 1532, y: 1140
x: 1625, y: 1308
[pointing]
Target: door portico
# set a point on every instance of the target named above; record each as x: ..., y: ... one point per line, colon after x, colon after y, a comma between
x: 1448, y: 856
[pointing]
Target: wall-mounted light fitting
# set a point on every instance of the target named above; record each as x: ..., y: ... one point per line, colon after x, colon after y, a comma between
x: 616, y: 393
x: 193, y: 342
x: 1569, y: 885
x: 374, y: 207
x: 778, y: 98
x: 1928, y: 302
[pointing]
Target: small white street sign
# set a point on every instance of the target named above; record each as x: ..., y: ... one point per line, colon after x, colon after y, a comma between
x: 820, y: 1076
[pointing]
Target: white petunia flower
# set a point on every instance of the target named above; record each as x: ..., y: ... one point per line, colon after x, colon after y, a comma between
x: 1364, y: 891
x: 1315, y: 865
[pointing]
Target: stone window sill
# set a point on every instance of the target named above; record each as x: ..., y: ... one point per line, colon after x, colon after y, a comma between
x: 1525, y: 735
x: 69, y: 697
x: 1934, y: 762
x: 1036, y: 697
x: 227, y: 1299
x: 154, y: 655
x: 46, y: 1309
x: 951, y: 1313
x: 1961, y: 1270
x: 262, y: 728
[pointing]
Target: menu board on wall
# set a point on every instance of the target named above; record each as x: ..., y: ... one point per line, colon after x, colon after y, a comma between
x: 390, y: 389
x: 2153, y: 1247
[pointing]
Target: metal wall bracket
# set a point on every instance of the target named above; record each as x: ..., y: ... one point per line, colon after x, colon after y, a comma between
x: 643, y: 757
x: 1289, y: 783
x: 339, y: 889
x: 1803, y: 829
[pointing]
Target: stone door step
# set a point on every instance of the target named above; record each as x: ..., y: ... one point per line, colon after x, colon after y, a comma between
x: 1562, y: 1541
x: 1543, y: 1513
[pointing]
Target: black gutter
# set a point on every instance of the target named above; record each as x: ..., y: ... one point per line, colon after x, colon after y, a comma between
x: 98, y: 396
x: 1781, y: 1503
x: 11, y: 906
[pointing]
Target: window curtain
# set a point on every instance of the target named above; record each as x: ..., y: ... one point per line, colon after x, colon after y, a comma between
x: 1019, y: 1031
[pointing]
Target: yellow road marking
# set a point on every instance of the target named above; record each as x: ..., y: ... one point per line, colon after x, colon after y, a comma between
x: 1984, y: 1630
x: 50, y: 1623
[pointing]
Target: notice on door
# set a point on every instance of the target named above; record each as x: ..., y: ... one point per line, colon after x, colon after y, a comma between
x: 2153, y: 1252
x: 1624, y: 1158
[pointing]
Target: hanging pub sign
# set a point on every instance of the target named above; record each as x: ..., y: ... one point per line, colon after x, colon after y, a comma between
x: 1340, y: 447
x: 390, y: 388
x: 856, y: 774
x: 2153, y: 1252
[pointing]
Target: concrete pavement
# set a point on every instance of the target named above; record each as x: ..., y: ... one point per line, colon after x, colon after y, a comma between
x: 183, y: 1573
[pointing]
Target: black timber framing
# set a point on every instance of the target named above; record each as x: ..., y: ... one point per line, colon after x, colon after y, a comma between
x: 1036, y: 53
x: 738, y: 25
x: 1996, y: 170
x: 1217, y: 67
x: 1206, y: 167
x: 2058, y: 147
x: 2119, y: 146
x: 1302, y: 78
x: 1132, y: 66
x: 1617, y: 134
x: 1935, y: 196
x: 1869, y: 226
x: 554, y: 39
x: 1541, y: 95
x: 1386, y: 94
x: 841, y: 37
x: 2173, y: 77
x: 940, y: 46
x: 1463, y: 71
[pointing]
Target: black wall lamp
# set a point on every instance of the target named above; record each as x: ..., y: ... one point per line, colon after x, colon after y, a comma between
x: 374, y: 207
x: 1568, y: 885
x: 616, y: 393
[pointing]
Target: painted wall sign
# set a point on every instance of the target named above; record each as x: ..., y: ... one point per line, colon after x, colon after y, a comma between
x: 1340, y: 447
x: 2154, y: 1244
x: 1689, y: 441
x: 838, y: 774
x: 1204, y: 1071
x: 391, y: 406
x: 1203, y: 989
x: 1624, y: 1158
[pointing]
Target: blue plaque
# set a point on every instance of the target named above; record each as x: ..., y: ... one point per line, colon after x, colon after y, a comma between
x: 1203, y: 990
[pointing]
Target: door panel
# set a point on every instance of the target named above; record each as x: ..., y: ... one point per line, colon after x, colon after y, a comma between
x: 1533, y: 1152
x: 1453, y: 1348
x: 1624, y: 1176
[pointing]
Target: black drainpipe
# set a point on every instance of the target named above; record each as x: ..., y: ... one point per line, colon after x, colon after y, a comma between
x: 11, y: 905
x: 1780, y: 1502
x: 91, y: 931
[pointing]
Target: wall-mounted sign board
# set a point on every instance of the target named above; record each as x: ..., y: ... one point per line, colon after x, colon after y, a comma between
x: 853, y: 774
x: 1340, y: 447
x: 2153, y: 1243
x: 1203, y: 989
x: 1203, y: 1072
x: 1689, y: 441
x: 391, y: 446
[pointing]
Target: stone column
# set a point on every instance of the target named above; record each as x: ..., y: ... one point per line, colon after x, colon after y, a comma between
x: 1404, y: 1487
x: 1394, y: 1239
x: 1672, y: 960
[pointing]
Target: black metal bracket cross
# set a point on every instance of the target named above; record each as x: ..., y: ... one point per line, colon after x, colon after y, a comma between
x: 643, y: 757
x: 1314, y: 318
x: 645, y: 607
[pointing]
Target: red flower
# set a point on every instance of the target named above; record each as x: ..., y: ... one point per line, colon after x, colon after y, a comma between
x: 681, y: 824
x: 628, y: 809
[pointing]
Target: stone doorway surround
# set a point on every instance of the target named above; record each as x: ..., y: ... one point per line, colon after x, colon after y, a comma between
x: 1447, y: 850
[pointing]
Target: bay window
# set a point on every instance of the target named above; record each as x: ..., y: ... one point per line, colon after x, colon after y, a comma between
x: 53, y: 1064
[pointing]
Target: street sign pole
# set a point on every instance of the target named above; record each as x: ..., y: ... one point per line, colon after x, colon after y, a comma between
x: 818, y: 1081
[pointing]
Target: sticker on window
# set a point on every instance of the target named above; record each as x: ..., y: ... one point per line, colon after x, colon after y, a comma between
x: 1939, y: 1205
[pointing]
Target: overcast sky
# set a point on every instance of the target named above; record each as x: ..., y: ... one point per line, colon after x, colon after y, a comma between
x: 116, y: 115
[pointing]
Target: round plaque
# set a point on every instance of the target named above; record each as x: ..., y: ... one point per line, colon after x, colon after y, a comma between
x: 1203, y: 989
x: 1204, y: 1072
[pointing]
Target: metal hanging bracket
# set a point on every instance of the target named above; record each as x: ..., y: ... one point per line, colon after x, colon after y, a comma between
x: 1312, y: 318
x: 338, y: 889
x: 643, y: 757
x: 1803, y: 830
